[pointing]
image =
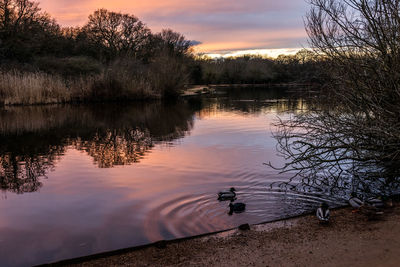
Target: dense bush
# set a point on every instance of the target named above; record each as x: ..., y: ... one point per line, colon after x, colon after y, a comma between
x: 69, y: 66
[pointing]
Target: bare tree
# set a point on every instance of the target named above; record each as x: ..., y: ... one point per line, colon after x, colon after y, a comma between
x: 355, y: 134
x: 119, y: 33
x: 174, y: 41
x: 24, y: 28
x: 17, y: 13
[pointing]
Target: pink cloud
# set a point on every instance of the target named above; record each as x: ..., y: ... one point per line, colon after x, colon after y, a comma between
x: 218, y: 24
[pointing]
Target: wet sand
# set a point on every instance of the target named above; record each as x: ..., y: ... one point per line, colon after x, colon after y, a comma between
x: 351, y: 239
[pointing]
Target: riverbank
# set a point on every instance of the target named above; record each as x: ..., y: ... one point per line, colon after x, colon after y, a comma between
x: 26, y: 89
x: 266, y: 85
x: 349, y: 240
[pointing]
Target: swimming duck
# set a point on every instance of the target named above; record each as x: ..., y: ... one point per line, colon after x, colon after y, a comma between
x: 323, y: 213
x: 355, y: 202
x: 236, y: 208
x: 227, y: 195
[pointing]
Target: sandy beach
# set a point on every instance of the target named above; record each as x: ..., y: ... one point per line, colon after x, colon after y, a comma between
x: 351, y: 239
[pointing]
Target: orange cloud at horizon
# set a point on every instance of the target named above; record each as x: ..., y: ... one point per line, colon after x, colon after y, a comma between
x: 220, y: 44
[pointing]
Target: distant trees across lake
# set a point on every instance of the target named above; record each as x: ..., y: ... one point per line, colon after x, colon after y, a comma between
x: 247, y: 69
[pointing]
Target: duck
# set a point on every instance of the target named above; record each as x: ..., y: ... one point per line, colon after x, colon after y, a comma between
x: 355, y: 202
x: 375, y: 202
x: 227, y: 195
x: 323, y: 213
x: 236, y: 208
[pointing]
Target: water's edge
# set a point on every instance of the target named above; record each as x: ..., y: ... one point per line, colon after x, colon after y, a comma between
x: 163, y: 243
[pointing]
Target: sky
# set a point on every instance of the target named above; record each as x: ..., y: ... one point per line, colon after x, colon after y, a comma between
x: 224, y: 27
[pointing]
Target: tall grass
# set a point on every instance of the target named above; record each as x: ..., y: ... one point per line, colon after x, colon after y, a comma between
x: 121, y: 80
x: 32, y: 88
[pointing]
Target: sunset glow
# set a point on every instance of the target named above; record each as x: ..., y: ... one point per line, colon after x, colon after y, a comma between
x: 222, y: 26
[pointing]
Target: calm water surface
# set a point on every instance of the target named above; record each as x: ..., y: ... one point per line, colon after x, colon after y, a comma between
x: 78, y: 180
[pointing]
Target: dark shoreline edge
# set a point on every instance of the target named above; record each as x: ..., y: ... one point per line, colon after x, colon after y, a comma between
x: 163, y: 243
x: 292, y: 85
x: 85, y: 102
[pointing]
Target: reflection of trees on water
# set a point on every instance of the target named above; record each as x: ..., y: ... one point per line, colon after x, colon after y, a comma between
x: 321, y: 186
x: 19, y: 174
x: 329, y: 162
x: 24, y: 158
x: 339, y: 188
x: 33, y: 138
x: 111, y: 148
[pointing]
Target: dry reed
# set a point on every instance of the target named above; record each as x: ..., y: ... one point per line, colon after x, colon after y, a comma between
x: 32, y: 88
x: 121, y: 81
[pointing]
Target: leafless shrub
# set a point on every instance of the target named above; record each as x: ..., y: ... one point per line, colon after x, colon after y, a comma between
x: 352, y: 142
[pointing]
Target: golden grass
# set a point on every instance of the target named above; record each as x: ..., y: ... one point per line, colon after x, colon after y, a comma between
x: 32, y: 88
x: 118, y: 82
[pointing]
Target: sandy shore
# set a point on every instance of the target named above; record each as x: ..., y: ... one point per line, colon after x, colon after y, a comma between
x: 349, y: 240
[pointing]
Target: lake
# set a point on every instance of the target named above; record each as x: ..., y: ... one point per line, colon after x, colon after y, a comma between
x: 83, y: 179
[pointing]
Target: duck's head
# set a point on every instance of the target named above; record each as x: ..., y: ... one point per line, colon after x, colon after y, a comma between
x: 232, y: 189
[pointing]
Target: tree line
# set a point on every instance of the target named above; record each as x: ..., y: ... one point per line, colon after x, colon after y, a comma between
x: 27, y: 32
x: 303, y: 67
